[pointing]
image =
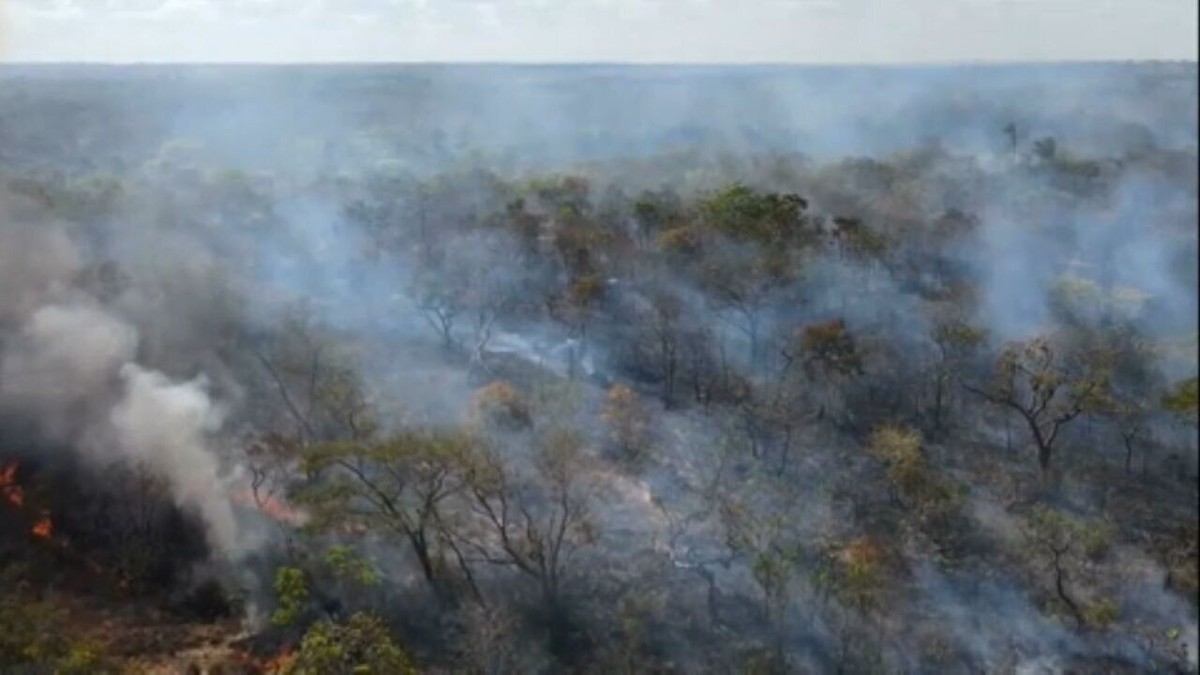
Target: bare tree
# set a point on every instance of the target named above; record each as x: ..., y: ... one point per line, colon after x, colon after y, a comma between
x: 661, y: 335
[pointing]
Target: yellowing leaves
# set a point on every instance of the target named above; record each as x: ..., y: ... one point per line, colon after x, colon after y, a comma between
x: 501, y: 404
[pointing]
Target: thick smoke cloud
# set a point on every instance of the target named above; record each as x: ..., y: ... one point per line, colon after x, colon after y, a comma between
x: 66, y: 353
x: 70, y: 364
x: 167, y: 424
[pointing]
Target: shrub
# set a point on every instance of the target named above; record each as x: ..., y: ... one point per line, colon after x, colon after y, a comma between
x: 501, y: 404
x: 678, y: 240
x: 856, y: 572
x: 361, y: 645
x: 1102, y: 613
x: 291, y: 587
x: 627, y: 420
x: 1096, y: 540
x: 28, y: 633
x: 934, y: 500
x: 900, y: 449
x: 31, y: 636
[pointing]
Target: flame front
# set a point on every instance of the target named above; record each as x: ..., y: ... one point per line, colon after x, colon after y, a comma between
x: 9, y: 488
x: 44, y: 527
x: 12, y: 492
x: 280, y: 511
x: 271, y: 506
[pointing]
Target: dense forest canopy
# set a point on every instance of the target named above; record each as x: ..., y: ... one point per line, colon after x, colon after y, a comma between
x: 601, y: 369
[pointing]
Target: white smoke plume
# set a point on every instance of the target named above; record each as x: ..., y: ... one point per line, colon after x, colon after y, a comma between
x: 70, y: 363
x: 66, y: 352
x: 166, y: 425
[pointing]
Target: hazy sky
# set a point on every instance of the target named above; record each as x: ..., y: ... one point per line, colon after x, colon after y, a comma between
x: 596, y: 30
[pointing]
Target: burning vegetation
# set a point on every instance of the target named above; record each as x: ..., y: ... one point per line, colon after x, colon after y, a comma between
x: 10, y: 488
x: 321, y: 398
x: 14, y: 494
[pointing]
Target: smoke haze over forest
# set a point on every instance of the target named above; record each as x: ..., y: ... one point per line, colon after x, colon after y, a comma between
x: 573, y: 368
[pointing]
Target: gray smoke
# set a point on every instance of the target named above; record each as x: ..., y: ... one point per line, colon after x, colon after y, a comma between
x: 70, y: 363
x: 153, y: 365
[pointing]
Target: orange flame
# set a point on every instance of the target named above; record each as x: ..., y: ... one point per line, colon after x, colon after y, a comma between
x: 272, y: 507
x: 9, y: 487
x: 280, y: 511
x: 43, y: 528
x: 14, y: 494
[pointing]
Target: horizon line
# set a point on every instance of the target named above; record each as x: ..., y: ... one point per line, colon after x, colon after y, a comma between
x: 614, y: 63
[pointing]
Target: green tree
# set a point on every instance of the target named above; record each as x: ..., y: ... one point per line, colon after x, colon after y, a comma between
x: 828, y: 353
x: 1046, y: 388
x: 956, y: 341
x: 291, y: 592
x: 1064, y: 543
x: 321, y: 394
x: 857, y: 242
x: 657, y: 212
x: 293, y: 585
x: 759, y: 240
x: 767, y: 219
x: 931, y: 500
x: 830, y: 346
x: 400, y: 484
x: 1181, y: 401
x: 742, y: 288
x: 767, y: 537
x: 534, y: 524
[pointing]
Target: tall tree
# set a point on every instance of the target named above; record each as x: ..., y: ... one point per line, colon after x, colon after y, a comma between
x: 401, y: 484
x: 533, y: 523
x: 956, y: 342
x: 1046, y: 388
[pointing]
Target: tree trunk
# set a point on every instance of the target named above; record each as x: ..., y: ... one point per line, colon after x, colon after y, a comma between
x: 668, y: 378
x: 711, y: 596
x: 1044, y: 449
x: 1044, y: 457
x: 754, y: 357
x: 465, y: 568
x: 421, y: 548
x: 1128, y: 453
x: 938, y: 395
x: 786, y: 450
x: 1062, y: 591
